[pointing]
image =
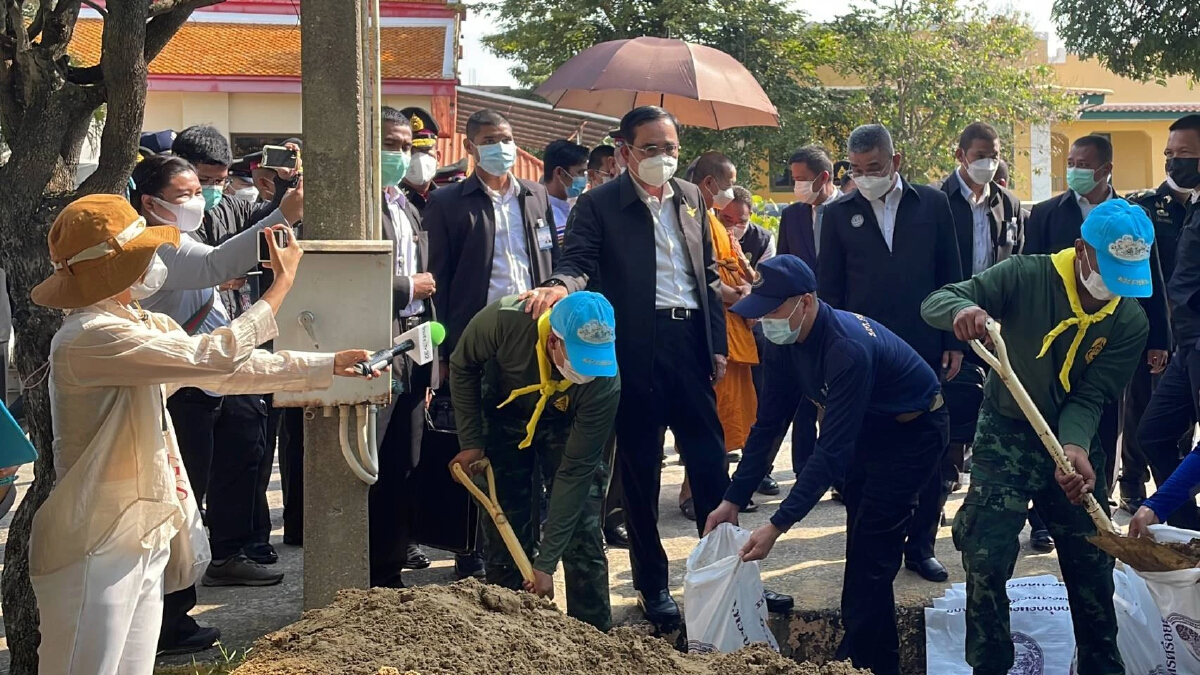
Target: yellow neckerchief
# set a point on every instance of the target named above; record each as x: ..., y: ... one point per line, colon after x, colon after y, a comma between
x: 1064, y: 264
x: 546, y: 386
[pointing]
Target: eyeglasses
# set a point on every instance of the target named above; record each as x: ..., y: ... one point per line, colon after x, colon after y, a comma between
x: 671, y: 149
x: 215, y: 182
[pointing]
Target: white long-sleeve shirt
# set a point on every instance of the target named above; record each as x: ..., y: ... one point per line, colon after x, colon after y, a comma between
x: 111, y: 371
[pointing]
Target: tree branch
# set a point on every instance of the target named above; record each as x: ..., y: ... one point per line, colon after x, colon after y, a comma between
x: 60, y: 25
x: 103, y: 12
x: 163, y: 26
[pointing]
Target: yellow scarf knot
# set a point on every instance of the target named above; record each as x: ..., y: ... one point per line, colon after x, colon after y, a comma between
x: 1064, y: 264
x: 547, y: 387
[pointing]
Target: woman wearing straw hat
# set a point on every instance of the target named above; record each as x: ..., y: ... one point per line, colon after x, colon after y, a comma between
x: 101, y: 542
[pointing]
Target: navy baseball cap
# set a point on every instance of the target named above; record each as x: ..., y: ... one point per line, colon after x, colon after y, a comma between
x: 1122, y: 235
x: 780, y: 278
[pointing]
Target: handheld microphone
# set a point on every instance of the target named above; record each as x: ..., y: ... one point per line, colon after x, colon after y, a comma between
x: 418, y: 343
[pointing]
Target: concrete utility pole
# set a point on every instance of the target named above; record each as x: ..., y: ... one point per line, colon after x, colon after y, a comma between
x: 335, y: 502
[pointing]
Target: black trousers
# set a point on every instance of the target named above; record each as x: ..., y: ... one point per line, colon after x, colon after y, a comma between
x: 221, y: 441
x: 262, y: 509
x: 391, y: 500
x: 177, y: 625
x: 679, y: 396
x: 893, y: 464
x: 291, y: 473
x: 1172, y: 413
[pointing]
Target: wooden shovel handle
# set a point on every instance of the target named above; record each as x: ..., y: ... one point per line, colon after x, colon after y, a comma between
x: 1003, y: 368
x: 492, y: 506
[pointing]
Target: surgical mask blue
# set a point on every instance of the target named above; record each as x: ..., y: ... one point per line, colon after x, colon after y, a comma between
x: 780, y: 331
x: 497, y: 158
x: 577, y: 186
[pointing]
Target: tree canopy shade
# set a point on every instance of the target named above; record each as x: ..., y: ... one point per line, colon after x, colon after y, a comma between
x: 929, y: 68
x: 47, y: 104
x: 1141, y: 39
x: 924, y: 68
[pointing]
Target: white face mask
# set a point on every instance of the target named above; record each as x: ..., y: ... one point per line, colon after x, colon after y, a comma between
x: 188, y: 215
x: 804, y: 191
x: 657, y: 171
x: 873, y: 187
x: 250, y: 194
x: 152, y: 280
x: 738, y: 231
x: 723, y: 198
x: 422, y: 169
x: 1095, y: 284
x: 571, y: 375
x: 982, y: 171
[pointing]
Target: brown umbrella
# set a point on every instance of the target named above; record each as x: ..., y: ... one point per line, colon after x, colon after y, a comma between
x: 701, y: 86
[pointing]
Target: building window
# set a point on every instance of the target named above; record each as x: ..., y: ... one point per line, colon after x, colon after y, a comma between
x: 244, y: 144
x: 781, y: 175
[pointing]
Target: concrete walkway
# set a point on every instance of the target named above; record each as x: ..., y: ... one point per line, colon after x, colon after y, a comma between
x: 807, y: 563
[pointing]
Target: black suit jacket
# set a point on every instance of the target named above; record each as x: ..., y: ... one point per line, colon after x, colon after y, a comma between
x: 796, y: 235
x: 754, y: 243
x: 1056, y: 223
x: 1004, y: 214
x: 402, y: 367
x: 859, y: 274
x: 610, y: 235
x: 461, y: 223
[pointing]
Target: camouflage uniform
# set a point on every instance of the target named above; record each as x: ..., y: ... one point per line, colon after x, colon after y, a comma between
x: 1009, y: 468
x: 585, y: 567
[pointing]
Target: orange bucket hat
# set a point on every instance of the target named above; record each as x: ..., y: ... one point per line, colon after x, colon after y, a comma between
x: 99, y: 246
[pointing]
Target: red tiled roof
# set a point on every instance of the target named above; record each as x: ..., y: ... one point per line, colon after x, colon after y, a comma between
x: 450, y: 150
x: 201, y: 48
x: 1146, y: 107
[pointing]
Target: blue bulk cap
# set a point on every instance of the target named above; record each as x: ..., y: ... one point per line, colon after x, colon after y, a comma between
x: 586, y: 324
x: 1122, y: 235
x: 780, y: 278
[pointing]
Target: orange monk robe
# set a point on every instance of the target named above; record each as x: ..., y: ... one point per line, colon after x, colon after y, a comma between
x: 737, y: 403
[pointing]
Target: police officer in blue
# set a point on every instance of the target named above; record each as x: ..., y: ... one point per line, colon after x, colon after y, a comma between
x: 885, y: 430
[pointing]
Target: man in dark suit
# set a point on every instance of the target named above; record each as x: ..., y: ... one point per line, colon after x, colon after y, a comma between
x: 491, y: 235
x: 800, y: 235
x: 1055, y: 225
x: 884, y: 248
x: 391, y: 506
x: 800, y: 223
x: 647, y: 239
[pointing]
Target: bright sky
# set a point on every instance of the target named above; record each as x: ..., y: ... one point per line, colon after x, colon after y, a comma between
x: 479, y: 67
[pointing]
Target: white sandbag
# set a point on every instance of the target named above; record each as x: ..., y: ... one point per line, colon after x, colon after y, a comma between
x: 723, y: 596
x: 1039, y: 618
x: 1145, y: 641
x: 1177, y: 597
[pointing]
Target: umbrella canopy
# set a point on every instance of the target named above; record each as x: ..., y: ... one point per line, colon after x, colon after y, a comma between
x: 701, y: 86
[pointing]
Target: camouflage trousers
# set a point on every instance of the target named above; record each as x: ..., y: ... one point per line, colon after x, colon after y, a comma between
x: 585, y: 566
x: 1011, y: 467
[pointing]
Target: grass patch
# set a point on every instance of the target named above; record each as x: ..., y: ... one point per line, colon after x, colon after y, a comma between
x: 224, y: 664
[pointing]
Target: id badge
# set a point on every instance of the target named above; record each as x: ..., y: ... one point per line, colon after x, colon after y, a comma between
x: 545, y: 237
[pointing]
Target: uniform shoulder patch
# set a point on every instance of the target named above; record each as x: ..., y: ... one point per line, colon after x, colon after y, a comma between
x: 1096, y: 348
x: 562, y: 403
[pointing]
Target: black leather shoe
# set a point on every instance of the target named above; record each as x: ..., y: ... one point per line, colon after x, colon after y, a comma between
x: 836, y: 495
x: 393, y: 581
x: 1041, y: 541
x: 688, y: 508
x: 734, y: 457
x: 201, y: 640
x: 751, y: 507
x: 768, y: 487
x: 929, y: 569
x: 290, y: 539
x: 1131, y: 505
x: 416, y: 558
x: 660, y: 608
x: 469, y: 566
x: 778, y: 603
x: 263, y: 554
x: 616, y: 536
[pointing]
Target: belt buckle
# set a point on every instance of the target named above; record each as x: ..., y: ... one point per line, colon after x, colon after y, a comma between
x: 679, y: 314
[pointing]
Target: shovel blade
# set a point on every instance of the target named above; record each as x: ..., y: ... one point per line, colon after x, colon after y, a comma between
x: 1142, y: 554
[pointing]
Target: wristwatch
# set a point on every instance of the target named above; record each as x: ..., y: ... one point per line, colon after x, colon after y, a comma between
x: 553, y: 282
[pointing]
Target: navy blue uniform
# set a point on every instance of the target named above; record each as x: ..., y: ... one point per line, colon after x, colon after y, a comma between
x: 884, y: 430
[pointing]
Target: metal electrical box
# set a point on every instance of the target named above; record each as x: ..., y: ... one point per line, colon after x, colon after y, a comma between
x: 342, y: 299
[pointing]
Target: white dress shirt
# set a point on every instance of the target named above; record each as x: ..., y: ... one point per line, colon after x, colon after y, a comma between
x: 818, y: 215
x: 676, y: 281
x: 1085, y: 207
x: 511, y: 270
x: 983, y: 254
x: 886, y: 208
x: 405, y: 247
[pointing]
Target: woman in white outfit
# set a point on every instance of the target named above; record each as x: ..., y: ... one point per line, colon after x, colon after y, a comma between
x: 101, y: 542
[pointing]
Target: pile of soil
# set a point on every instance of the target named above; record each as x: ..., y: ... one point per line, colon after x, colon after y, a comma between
x: 470, y: 629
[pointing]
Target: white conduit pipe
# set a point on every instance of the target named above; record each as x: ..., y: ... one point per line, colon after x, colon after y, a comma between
x: 373, y: 435
x: 347, y: 453
x: 366, y: 440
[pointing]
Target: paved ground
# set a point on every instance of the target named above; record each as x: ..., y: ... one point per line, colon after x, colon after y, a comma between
x: 806, y: 563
